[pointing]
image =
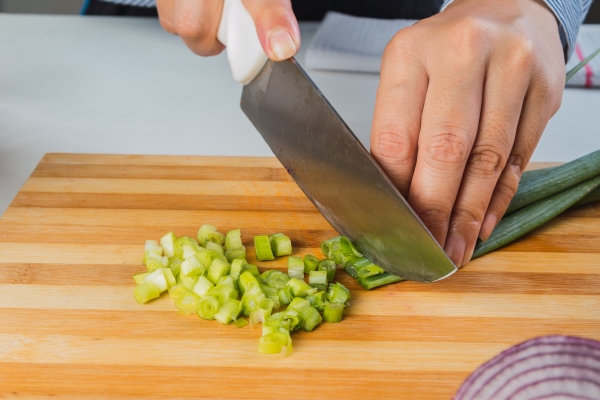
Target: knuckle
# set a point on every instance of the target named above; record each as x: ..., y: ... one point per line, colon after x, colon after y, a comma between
x: 190, y: 28
x: 488, y: 160
x: 470, y: 215
x: 470, y: 34
x: 167, y: 25
x: 435, y: 216
x: 448, y: 146
x: 522, y: 56
x: 393, y: 145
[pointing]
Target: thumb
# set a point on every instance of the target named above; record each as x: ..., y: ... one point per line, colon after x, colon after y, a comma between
x: 276, y: 27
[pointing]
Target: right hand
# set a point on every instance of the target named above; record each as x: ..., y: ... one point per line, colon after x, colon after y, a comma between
x: 197, y: 22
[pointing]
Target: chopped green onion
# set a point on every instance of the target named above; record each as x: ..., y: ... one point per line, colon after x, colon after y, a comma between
x: 317, y: 300
x: 168, y: 242
x: 285, y: 295
x: 263, y: 276
x: 217, y: 248
x: 310, y: 319
x: 338, y: 293
x: 251, y: 299
x: 253, y: 269
x: 246, y: 279
x: 208, y: 306
x: 374, y: 281
x: 145, y: 292
x: 191, y: 267
x: 187, y: 303
x: 208, y: 233
x: 202, y: 286
x: 295, y: 267
x: 300, y: 288
x: 223, y: 292
x: 277, y: 279
x: 179, y: 243
x: 232, y: 254
x: 272, y: 343
x: 191, y: 251
x: 349, y: 268
x: 271, y: 293
x: 236, y: 268
x: 227, y: 280
x: 188, y: 282
x: 233, y: 240
x: 332, y: 312
x: 169, y: 277
x: 275, y: 325
x: 176, y: 290
x: 348, y: 248
x: 310, y: 263
x: 153, y: 261
x: 139, y: 278
x: 217, y: 269
x: 299, y: 304
x: 328, y: 266
x: 318, y: 279
x: 262, y: 247
x: 175, y: 265
x: 281, y: 245
x: 228, y: 312
x: 241, y: 322
x: 292, y: 316
x: 157, y: 278
x: 152, y: 245
x: 326, y: 246
x: 365, y: 268
x: 263, y: 311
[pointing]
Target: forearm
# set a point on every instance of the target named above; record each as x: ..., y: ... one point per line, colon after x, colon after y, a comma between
x: 570, y: 15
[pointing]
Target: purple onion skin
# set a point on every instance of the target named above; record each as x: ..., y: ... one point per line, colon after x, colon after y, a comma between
x: 549, y: 367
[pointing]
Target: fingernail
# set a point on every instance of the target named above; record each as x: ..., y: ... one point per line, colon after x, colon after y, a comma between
x: 281, y: 44
x: 489, y: 223
x: 455, y: 248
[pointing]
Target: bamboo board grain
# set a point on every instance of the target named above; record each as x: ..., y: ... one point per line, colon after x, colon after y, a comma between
x: 69, y: 327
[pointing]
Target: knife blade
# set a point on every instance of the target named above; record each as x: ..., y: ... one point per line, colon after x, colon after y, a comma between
x: 338, y: 174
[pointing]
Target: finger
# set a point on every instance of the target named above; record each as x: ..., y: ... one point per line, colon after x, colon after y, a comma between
x: 276, y: 27
x: 448, y: 129
x: 398, y: 108
x: 166, y: 10
x: 541, y: 103
x: 506, y: 84
x: 197, y: 22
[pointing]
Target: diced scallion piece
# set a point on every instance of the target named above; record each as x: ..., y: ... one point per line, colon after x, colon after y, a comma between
x: 252, y: 298
x: 338, y: 293
x: 179, y: 243
x: 285, y: 295
x: 217, y: 269
x: 188, y: 282
x: 208, y: 307
x: 292, y: 316
x: 168, y: 242
x: 310, y: 263
x: 318, y: 279
x: 232, y: 254
x: 271, y: 293
x: 190, y: 251
x: 262, y: 247
x: 275, y: 325
x: 253, y: 269
x: 281, y: 245
x: 169, y: 277
x: 139, y: 278
x: 228, y: 312
x: 263, y: 311
x: 153, y: 261
x: 365, y: 268
x: 317, y: 300
x: 347, y: 247
x: 191, y: 267
x: 152, y: 245
x: 176, y: 290
x: 157, y: 278
x: 217, y: 248
x: 299, y: 304
x: 241, y: 322
x: 209, y: 233
x: 310, y: 319
x: 295, y: 267
x: 330, y: 245
x: 236, y: 268
x: 329, y: 267
x: 272, y: 343
x: 187, y: 303
x: 202, y: 286
x: 300, y: 288
x: 175, y: 265
x: 277, y: 279
x: 246, y: 279
x: 227, y: 280
x: 332, y: 312
x: 233, y: 240
x: 223, y: 292
x: 145, y: 292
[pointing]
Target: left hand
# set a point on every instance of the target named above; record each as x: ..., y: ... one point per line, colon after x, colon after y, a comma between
x: 463, y: 100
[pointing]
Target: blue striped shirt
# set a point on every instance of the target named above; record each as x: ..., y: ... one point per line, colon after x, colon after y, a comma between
x: 136, y: 3
x: 570, y: 15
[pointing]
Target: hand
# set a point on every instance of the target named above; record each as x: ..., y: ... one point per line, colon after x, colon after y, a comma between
x: 197, y: 22
x: 463, y: 100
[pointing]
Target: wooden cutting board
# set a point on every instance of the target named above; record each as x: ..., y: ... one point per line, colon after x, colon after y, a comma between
x: 69, y: 327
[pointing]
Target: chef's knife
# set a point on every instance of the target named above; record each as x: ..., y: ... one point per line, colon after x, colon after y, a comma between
x: 327, y: 161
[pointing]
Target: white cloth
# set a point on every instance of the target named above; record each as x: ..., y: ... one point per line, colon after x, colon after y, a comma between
x: 347, y: 43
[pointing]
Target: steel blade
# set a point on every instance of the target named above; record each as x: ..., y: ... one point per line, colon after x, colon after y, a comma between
x: 338, y: 174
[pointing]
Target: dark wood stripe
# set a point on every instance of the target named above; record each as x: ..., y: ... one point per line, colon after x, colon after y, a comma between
x: 160, y: 202
x: 232, y: 173
x: 540, y: 242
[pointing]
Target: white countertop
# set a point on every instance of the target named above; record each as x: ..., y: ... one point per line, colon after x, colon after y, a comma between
x: 123, y: 85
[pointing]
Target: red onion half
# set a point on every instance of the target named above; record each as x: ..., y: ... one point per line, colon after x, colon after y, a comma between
x: 550, y: 367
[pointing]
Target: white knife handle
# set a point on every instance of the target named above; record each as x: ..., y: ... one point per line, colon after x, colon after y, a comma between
x: 238, y: 33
